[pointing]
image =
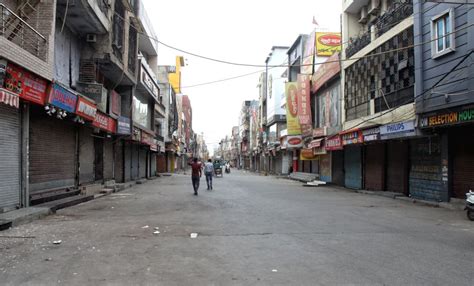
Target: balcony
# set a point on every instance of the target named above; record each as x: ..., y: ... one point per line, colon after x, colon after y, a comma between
x: 395, y: 99
x: 18, y: 31
x: 357, y: 44
x: 85, y: 16
x: 396, y: 13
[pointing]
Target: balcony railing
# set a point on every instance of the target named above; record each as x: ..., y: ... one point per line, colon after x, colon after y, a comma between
x: 357, y: 44
x: 18, y: 31
x: 395, y: 99
x: 396, y: 13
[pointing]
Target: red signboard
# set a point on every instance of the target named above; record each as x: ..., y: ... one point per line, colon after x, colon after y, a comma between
x: 147, y: 139
x: 115, y: 102
x: 27, y: 85
x: 326, y: 72
x: 334, y: 143
x: 86, y: 108
x: 304, y: 104
x: 352, y: 137
x: 104, y: 122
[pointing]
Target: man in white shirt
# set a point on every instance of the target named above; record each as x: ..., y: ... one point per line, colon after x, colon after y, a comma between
x: 209, y: 171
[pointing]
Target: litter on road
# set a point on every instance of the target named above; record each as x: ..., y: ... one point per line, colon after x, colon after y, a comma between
x: 57, y: 242
x: 193, y: 235
x: 156, y: 232
x: 274, y: 270
x: 145, y: 226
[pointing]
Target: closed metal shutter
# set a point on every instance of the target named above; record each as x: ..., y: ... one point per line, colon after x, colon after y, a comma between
x: 143, y: 162
x: 134, y: 164
x: 463, y: 157
x: 9, y: 157
x: 153, y: 158
x: 397, y: 167
x: 353, y: 167
x: 86, y: 156
x: 337, y: 161
x: 119, y: 161
x: 374, y: 167
x: 108, y: 160
x: 52, y: 152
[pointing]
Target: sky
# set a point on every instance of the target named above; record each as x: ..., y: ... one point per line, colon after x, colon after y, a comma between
x: 237, y: 31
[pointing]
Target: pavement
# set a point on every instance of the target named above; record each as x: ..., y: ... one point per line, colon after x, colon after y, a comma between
x: 251, y: 230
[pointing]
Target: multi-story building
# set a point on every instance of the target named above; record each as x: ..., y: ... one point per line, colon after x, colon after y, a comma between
x: 378, y: 80
x: 277, y: 162
x: 244, y: 136
x: 441, y: 161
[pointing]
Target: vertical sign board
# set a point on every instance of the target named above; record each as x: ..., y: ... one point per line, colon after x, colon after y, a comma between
x: 304, y: 104
x: 292, y: 122
x: 308, y: 54
x: 62, y: 98
x: 115, y: 103
x: 28, y: 86
x: 123, y: 125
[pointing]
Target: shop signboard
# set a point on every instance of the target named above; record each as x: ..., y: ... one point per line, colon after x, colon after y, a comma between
x: 325, y: 72
x: 123, y: 125
x: 372, y: 134
x: 445, y: 118
x: 308, y: 54
x: 147, y: 138
x: 321, y: 150
x: 352, y: 137
x: 294, y: 141
x: 319, y: 132
x: 334, y: 143
x: 149, y: 83
x: 115, y: 103
x: 104, y: 122
x: 327, y: 43
x: 9, y: 98
x: 25, y: 84
x: 95, y: 91
x: 62, y: 97
x: 316, y: 143
x: 398, y: 130
x: 292, y: 122
x: 86, y: 108
x: 307, y: 154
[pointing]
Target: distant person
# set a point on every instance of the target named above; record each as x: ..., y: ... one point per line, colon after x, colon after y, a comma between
x: 195, y: 174
x: 208, y: 172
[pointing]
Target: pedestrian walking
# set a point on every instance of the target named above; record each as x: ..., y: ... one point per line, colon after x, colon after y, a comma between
x: 208, y: 172
x: 195, y: 174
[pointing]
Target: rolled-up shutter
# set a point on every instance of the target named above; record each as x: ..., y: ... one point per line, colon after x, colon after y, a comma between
x: 9, y: 157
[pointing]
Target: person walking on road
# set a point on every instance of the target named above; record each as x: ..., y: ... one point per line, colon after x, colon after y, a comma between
x: 196, y: 174
x: 209, y: 171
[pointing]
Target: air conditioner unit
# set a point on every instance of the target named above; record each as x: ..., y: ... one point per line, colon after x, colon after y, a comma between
x: 374, y: 7
x: 91, y: 38
x: 363, y: 15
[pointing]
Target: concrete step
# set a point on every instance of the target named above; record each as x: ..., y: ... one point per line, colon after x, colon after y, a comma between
x: 141, y: 181
x: 5, y: 224
x: 21, y: 216
x: 43, y: 197
x: 91, y: 189
x: 67, y: 202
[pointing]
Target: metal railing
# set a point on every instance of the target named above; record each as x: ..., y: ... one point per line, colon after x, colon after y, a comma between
x: 394, y: 15
x: 18, y: 31
x: 357, y: 44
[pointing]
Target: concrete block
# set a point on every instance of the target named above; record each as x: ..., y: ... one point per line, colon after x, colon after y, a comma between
x: 25, y: 215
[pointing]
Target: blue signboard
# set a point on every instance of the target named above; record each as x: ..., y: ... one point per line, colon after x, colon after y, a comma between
x: 123, y: 125
x: 62, y: 98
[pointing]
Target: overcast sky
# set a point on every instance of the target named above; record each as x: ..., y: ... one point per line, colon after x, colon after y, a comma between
x: 238, y: 31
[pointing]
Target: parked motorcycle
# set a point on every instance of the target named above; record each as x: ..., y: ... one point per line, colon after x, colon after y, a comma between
x: 470, y: 205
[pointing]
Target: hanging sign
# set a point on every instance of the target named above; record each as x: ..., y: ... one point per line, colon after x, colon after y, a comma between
x: 104, y: 122
x: 62, y: 98
x: 304, y: 105
x: 319, y: 132
x: 334, y: 143
x: 327, y: 43
x: 25, y: 84
x: 307, y: 154
x: 294, y: 141
x: 115, y: 103
x: 292, y: 122
x: 371, y: 134
x: 316, y: 143
x: 86, y: 108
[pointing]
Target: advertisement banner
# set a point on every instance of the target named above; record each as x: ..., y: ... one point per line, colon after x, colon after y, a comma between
x: 304, y: 104
x: 327, y: 43
x: 123, y: 125
x: 104, y: 122
x: 28, y: 86
x: 325, y: 72
x: 292, y: 122
x: 62, y: 97
x: 86, y: 108
x: 307, y: 154
x: 334, y: 143
x: 294, y: 142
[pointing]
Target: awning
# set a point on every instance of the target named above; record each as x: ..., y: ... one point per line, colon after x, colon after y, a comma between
x: 316, y: 143
x: 9, y: 98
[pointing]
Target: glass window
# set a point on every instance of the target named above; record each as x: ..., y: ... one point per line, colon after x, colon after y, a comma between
x: 442, y: 34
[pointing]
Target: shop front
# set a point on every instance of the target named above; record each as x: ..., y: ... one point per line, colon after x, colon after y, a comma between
x: 353, y: 174
x: 333, y: 146
x: 374, y: 160
x: 104, y: 147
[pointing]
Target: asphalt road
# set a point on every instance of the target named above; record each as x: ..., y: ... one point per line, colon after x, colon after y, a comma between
x: 252, y: 230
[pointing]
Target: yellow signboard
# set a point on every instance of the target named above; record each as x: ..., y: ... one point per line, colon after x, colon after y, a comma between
x: 327, y: 43
x: 292, y: 121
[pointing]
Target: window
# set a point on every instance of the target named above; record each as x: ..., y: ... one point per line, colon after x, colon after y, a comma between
x: 442, y: 35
